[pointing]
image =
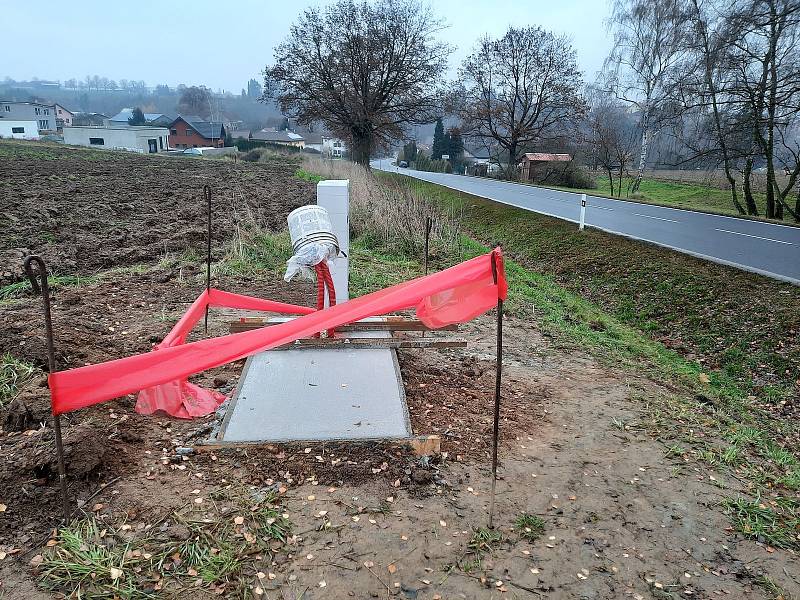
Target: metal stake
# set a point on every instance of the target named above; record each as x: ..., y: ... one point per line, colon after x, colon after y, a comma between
x: 497, y: 378
x: 44, y: 290
x: 428, y: 227
x: 207, y: 194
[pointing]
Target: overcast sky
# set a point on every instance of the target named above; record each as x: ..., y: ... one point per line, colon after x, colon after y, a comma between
x: 223, y: 44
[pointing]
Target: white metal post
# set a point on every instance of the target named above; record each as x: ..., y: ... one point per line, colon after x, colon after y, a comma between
x: 334, y: 196
x: 583, y: 212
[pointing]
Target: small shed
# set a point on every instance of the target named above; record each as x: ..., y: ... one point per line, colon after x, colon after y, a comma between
x: 135, y: 139
x: 532, y: 160
x: 19, y: 130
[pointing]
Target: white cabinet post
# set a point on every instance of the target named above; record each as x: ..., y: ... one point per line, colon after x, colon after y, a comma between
x: 334, y: 196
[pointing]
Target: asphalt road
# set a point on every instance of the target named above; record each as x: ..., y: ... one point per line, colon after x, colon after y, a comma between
x: 764, y: 248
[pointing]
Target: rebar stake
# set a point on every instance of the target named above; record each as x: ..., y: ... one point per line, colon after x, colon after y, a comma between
x: 497, y: 379
x: 207, y: 194
x: 428, y: 227
x: 44, y: 289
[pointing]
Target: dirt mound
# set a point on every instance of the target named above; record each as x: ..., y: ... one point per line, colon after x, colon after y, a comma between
x: 29, y: 479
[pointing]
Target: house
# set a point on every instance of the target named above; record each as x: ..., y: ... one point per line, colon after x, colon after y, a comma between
x: 313, y: 141
x: 284, y: 137
x: 532, y: 160
x: 193, y: 132
x: 330, y: 146
x: 19, y: 130
x: 64, y: 117
x: 154, y: 119
x: 333, y: 147
x: 43, y: 114
x: 89, y: 118
x: 135, y: 139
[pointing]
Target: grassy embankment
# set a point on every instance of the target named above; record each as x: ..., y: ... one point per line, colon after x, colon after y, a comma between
x: 724, y: 343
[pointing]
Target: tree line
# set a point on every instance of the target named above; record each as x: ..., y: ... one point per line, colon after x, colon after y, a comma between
x: 717, y: 82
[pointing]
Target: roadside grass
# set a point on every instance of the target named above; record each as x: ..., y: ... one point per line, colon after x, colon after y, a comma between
x: 13, y: 375
x: 93, y: 558
x: 743, y: 329
x: 692, y: 196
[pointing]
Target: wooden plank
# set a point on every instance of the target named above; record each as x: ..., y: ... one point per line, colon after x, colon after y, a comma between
x: 369, y: 343
x: 420, y: 445
x: 391, y: 324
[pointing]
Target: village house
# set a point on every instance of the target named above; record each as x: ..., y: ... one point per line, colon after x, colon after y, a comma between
x: 193, y: 132
x: 43, y: 114
x: 284, y: 137
x: 64, y: 117
x: 153, y: 119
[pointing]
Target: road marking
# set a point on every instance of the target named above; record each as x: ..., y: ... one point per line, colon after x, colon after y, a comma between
x: 599, y: 207
x: 657, y: 218
x: 758, y: 237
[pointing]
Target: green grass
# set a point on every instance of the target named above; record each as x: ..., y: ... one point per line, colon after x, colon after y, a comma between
x: 23, y: 288
x: 93, y: 559
x: 529, y: 527
x: 13, y: 374
x: 760, y: 522
x: 307, y: 176
x: 85, y: 561
x: 692, y: 196
x: 743, y: 326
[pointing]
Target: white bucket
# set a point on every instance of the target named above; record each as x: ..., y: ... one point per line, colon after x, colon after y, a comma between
x: 310, y: 224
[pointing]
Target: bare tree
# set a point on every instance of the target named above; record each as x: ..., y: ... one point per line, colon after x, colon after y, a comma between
x: 768, y: 82
x: 195, y: 101
x: 365, y: 70
x: 521, y: 91
x: 650, y: 42
x: 611, y: 139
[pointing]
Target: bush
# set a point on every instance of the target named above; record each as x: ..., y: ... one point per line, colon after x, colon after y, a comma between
x: 252, y: 156
x: 575, y: 176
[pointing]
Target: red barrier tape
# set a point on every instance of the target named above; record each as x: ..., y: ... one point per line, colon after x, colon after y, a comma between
x: 454, y: 295
x: 185, y: 400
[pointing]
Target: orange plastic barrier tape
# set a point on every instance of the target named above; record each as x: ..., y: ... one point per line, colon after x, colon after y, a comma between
x: 454, y: 295
x: 186, y: 400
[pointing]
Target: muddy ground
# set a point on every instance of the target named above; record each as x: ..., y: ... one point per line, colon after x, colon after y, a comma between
x: 369, y: 520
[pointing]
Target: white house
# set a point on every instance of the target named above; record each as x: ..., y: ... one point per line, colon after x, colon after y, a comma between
x: 333, y: 147
x: 135, y: 139
x: 19, y: 130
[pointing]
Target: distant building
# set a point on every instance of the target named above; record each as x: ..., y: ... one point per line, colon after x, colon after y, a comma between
x: 284, y: 137
x: 144, y: 139
x: 333, y: 147
x: 63, y: 117
x: 154, y: 119
x: 326, y: 144
x: 89, y: 118
x: 532, y: 160
x: 193, y: 132
x: 19, y: 130
x: 43, y: 114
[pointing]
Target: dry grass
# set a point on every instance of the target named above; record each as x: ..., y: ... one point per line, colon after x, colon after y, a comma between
x: 391, y: 214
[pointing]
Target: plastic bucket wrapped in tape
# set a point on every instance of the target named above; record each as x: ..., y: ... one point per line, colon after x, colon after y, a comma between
x: 313, y: 240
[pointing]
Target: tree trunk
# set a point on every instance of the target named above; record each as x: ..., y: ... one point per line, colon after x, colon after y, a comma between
x: 797, y: 206
x: 747, y: 190
x: 362, y: 147
x: 611, y: 181
x: 642, y: 159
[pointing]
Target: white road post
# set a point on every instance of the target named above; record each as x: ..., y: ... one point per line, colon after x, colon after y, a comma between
x: 334, y: 196
x: 583, y: 212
